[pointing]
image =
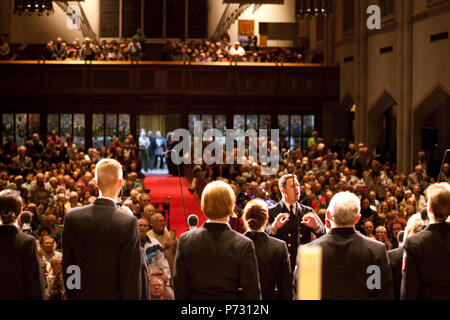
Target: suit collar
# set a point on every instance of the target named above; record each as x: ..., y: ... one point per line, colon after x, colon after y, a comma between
x: 255, y: 235
x: 438, y: 226
x: 343, y: 231
x: 216, y: 226
x: 104, y: 202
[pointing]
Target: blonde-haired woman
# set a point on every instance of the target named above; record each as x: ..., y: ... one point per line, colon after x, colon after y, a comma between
x: 272, y: 254
x: 214, y: 262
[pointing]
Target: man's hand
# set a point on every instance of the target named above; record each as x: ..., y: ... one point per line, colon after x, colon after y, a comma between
x: 169, y: 244
x: 310, y: 221
x: 280, y: 221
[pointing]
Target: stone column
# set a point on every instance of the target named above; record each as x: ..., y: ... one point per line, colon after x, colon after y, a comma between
x: 329, y: 37
x: 186, y: 20
x: 361, y: 114
x: 404, y: 85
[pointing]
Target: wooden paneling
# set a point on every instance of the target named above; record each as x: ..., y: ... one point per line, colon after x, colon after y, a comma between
x: 169, y: 80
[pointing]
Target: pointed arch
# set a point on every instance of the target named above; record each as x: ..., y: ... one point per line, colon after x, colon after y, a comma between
x: 382, y: 122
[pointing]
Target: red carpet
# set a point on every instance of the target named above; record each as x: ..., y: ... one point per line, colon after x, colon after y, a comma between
x: 162, y: 185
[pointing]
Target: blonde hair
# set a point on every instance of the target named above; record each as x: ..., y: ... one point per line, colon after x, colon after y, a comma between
x: 218, y: 200
x: 438, y: 195
x: 414, y: 224
x: 107, y: 173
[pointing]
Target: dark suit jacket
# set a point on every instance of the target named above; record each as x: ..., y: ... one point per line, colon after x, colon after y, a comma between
x: 346, y: 256
x: 104, y: 242
x: 20, y: 270
x: 213, y: 262
x: 293, y: 232
x: 426, y: 272
x: 144, y: 276
x: 274, y: 267
x: 396, y: 258
x: 59, y: 51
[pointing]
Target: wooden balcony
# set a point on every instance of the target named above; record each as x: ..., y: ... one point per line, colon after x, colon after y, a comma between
x: 168, y: 79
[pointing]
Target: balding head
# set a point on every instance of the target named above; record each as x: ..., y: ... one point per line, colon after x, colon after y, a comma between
x: 108, y: 175
x: 149, y: 210
x: 157, y: 222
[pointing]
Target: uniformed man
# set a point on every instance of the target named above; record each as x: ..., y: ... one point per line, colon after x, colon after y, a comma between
x: 291, y: 221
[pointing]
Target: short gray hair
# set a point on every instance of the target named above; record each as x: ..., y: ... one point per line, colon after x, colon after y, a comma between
x: 344, y: 208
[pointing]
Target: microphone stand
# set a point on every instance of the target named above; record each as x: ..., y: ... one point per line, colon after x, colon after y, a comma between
x: 442, y: 165
x: 181, y: 189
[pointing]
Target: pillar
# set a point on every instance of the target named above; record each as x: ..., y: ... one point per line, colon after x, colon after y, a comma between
x: 404, y: 85
x: 361, y: 114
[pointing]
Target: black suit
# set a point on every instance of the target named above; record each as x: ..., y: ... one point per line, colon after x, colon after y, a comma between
x: 346, y: 256
x: 104, y: 242
x: 20, y: 270
x: 396, y: 258
x: 426, y: 272
x: 273, y: 265
x: 290, y: 231
x: 213, y: 262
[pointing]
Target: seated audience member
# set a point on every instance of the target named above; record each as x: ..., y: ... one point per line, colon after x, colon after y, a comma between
x: 417, y: 177
x: 445, y: 174
x: 59, y: 50
x: 147, y: 212
x: 213, y: 261
x: 88, y: 50
x: 154, y: 252
x: 134, y: 49
x: 395, y: 227
x: 349, y: 280
x: 421, y: 202
x: 381, y: 235
x: 166, y: 238
x: 48, y: 52
x: 369, y: 229
x: 4, y: 48
x: 20, y: 271
x: 367, y: 214
x: 55, y: 269
x: 22, y: 164
x: 237, y: 52
x: 40, y: 191
x: 48, y: 246
x: 56, y: 289
x: 156, y: 288
x: 427, y: 254
x: 413, y: 226
x: 272, y: 255
x: 168, y: 291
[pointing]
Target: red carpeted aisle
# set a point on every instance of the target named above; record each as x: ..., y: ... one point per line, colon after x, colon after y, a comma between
x: 161, y: 185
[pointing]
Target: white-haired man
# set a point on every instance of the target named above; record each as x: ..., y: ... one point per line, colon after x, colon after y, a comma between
x: 349, y: 258
x: 103, y: 242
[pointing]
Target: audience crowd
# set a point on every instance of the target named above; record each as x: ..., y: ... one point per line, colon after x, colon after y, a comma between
x: 52, y: 177
x: 245, y: 49
x: 224, y: 51
x: 106, y: 50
